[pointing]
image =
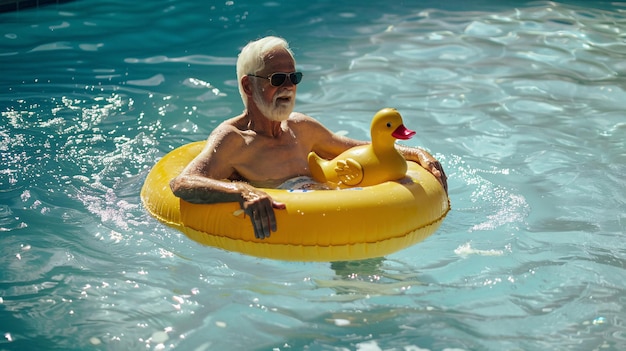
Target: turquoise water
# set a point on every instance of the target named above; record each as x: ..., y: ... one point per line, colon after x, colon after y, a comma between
x: 524, y: 103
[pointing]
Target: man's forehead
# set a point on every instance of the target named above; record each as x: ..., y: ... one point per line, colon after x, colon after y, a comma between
x: 277, y: 59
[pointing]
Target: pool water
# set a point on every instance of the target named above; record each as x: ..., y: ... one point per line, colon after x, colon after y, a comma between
x: 523, y: 102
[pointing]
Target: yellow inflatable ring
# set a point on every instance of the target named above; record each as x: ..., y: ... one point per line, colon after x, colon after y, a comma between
x: 321, y: 225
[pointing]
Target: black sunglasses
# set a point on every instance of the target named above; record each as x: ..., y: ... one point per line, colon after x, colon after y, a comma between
x: 277, y: 79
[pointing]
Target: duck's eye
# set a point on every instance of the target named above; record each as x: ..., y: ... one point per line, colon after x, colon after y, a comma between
x: 388, y: 124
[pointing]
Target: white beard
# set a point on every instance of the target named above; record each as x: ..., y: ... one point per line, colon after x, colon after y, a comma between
x: 270, y: 110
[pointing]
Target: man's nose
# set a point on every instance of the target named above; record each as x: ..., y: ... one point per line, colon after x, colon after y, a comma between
x: 288, y: 83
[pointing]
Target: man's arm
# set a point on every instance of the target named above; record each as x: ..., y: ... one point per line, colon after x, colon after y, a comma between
x: 201, y: 180
x: 426, y: 160
x: 322, y: 141
x: 258, y: 205
x: 204, y: 180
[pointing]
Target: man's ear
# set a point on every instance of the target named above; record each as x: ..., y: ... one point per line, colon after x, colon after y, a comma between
x: 246, y: 85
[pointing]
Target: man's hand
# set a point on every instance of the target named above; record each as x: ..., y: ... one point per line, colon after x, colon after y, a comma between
x: 260, y: 208
x: 427, y: 161
x: 431, y: 164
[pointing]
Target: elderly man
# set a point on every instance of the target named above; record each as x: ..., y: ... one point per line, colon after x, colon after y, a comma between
x: 268, y: 143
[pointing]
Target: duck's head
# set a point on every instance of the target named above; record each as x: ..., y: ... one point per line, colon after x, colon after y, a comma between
x: 387, y: 125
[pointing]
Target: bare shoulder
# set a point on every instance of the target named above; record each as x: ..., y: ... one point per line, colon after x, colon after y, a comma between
x: 305, y: 123
x: 227, y: 134
x: 298, y: 117
x: 222, y: 144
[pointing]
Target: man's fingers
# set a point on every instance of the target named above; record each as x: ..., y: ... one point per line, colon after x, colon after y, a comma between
x: 263, y: 220
x: 443, y: 178
x: 271, y: 217
x: 256, y: 224
x: 260, y: 208
x: 438, y: 171
x: 278, y: 205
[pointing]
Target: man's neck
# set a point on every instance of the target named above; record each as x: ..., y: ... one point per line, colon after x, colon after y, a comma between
x: 262, y: 125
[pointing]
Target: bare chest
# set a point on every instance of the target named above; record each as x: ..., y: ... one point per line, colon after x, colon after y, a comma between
x: 271, y: 161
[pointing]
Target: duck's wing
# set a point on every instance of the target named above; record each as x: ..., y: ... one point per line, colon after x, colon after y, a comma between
x: 349, y: 172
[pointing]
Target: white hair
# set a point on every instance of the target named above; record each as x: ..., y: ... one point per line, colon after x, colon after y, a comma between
x: 251, y: 59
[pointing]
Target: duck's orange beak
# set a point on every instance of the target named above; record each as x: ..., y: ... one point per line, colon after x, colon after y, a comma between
x: 403, y: 133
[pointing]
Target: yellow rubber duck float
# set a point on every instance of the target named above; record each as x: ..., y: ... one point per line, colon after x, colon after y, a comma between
x: 370, y: 164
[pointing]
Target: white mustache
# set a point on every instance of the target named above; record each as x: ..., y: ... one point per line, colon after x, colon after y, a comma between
x: 282, y: 96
